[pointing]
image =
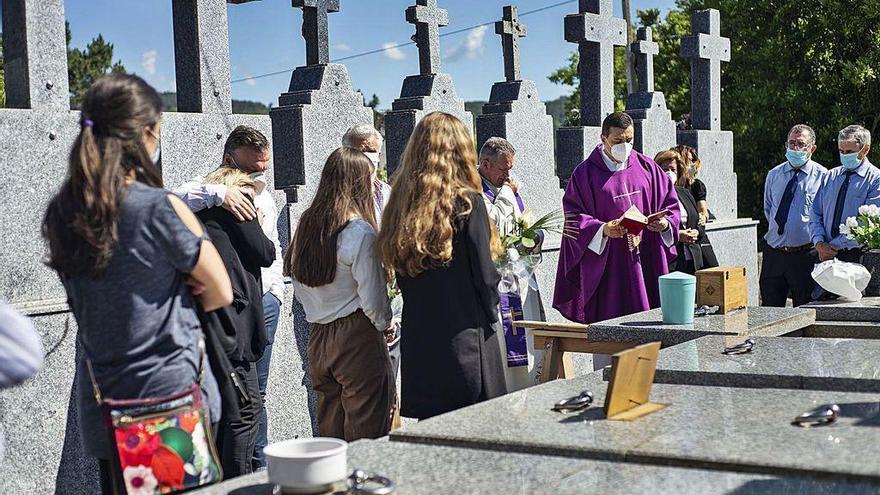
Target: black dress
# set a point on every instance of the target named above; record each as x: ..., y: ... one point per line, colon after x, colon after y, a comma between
x: 701, y: 253
x: 450, y: 356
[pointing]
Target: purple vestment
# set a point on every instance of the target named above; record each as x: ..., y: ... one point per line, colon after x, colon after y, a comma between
x: 594, y: 287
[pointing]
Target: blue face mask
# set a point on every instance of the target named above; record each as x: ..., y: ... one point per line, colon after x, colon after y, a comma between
x: 850, y: 161
x: 797, y: 159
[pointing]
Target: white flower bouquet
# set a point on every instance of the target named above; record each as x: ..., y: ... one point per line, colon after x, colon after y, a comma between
x: 520, y: 236
x: 865, y: 228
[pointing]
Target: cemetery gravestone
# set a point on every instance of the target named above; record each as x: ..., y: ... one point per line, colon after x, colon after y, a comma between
x: 597, y: 33
x: 515, y: 112
x: 430, y: 91
x: 654, y: 127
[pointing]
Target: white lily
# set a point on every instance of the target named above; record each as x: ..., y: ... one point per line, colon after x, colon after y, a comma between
x: 851, y: 223
x: 844, y: 229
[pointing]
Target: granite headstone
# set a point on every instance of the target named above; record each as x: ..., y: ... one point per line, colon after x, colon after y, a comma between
x: 654, y: 127
x: 430, y: 91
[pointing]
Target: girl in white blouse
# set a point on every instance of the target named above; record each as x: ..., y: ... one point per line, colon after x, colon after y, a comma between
x: 341, y: 284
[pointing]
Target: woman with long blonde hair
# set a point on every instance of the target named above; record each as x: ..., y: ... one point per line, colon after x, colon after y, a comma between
x: 342, y: 286
x: 436, y: 236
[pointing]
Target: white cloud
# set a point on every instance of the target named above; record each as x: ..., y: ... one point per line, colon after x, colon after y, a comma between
x: 250, y: 81
x: 342, y: 47
x: 469, y: 48
x: 393, y: 52
x: 148, y: 61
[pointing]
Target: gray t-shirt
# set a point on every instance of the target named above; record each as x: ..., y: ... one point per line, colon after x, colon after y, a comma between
x: 137, y: 321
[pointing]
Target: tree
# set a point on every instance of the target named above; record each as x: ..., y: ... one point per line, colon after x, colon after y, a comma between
x: 84, y: 67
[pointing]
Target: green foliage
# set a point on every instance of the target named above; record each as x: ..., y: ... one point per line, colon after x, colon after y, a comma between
x: 84, y: 67
x: 793, y: 61
x: 169, y: 104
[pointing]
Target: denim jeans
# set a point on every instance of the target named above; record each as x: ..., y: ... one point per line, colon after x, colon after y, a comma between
x: 272, y: 309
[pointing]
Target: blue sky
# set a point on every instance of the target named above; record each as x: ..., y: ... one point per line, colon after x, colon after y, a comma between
x: 264, y: 36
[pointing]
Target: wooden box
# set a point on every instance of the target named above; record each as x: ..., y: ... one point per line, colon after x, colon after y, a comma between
x: 725, y: 287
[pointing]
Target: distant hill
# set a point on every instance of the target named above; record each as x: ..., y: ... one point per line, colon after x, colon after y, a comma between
x: 555, y: 108
x: 169, y: 103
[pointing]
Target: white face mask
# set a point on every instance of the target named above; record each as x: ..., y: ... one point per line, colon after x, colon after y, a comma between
x: 621, y: 151
x: 374, y: 157
x: 259, y: 179
x: 157, y: 155
x: 672, y: 176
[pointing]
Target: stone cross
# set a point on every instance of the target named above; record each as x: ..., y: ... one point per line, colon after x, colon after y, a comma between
x: 314, y: 28
x: 597, y: 33
x: 511, y: 30
x: 706, y: 49
x: 428, y: 19
x: 645, y: 49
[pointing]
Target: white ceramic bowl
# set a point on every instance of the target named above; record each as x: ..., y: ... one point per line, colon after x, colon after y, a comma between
x: 307, y: 465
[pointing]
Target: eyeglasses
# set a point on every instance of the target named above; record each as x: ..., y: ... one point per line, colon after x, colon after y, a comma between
x: 796, y: 146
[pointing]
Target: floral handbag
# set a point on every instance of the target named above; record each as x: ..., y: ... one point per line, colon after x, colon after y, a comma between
x: 162, y: 445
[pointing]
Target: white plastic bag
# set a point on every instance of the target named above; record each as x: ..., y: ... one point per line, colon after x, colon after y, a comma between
x: 847, y: 280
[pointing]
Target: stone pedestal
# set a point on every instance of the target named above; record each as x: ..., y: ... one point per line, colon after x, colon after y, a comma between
x: 573, y: 146
x: 308, y: 125
x: 419, y: 96
x: 654, y: 127
x: 715, y: 149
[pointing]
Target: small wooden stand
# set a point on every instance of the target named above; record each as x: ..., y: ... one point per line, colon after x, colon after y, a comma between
x: 557, y: 340
x: 629, y: 389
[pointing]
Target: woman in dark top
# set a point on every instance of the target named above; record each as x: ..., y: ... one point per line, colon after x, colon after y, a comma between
x: 436, y: 235
x: 126, y: 250
x: 244, y: 249
x: 693, y: 247
x: 691, y: 165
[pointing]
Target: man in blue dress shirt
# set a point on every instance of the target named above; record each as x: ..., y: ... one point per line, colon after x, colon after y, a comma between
x: 855, y: 183
x: 789, y: 192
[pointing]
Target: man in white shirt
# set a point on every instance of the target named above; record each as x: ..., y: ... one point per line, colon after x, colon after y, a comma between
x: 248, y: 150
x: 504, y: 204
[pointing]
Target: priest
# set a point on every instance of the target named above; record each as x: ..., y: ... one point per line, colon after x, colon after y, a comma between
x: 523, y: 301
x: 605, y: 269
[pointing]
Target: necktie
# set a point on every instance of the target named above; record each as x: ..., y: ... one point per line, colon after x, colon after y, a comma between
x: 838, y: 207
x: 785, y: 204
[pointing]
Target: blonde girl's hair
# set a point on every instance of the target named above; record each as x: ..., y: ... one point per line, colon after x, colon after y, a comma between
x: 431, y: 190
x: 229, y: 176
x: 690, y: 159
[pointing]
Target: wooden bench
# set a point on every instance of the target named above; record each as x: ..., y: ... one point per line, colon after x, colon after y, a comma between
x: 558, y: 340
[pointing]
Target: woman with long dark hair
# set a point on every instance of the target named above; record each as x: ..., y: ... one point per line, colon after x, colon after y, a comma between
x: 342, y: 286
x: 130, y: 256
x: 437, y: 236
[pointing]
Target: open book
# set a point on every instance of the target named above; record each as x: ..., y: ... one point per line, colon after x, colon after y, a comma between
x: 634, y: 221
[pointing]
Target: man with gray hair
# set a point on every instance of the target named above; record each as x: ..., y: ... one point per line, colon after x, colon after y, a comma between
x: 504, y: 204
x: 789, y: 192
x: 844, y: 189
x: 365, y: 138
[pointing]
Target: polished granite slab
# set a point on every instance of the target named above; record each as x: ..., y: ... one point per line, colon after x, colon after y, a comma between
x: 430, y: 470
x: 845, y: 365
x: 867, y: 310
x: 735, y: 429
x: 648, y: 326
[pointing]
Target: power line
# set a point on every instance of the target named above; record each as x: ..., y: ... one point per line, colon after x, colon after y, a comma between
x: 410, y: 43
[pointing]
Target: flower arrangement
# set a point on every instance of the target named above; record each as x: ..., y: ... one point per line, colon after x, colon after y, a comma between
x: 865, y: 228
x: 520, y: 236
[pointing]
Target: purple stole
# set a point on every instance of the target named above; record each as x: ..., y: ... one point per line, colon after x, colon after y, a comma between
x: 511, y: 309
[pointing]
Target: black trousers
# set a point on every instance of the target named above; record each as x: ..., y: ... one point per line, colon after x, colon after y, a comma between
x: 237, y: 439
x: 787, y: 273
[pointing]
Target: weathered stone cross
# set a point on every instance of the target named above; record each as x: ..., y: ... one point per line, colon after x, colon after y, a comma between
x: 428, y: 19
x: 314, y: 28
x: 596, y: 32
x: 645, y: 49
x: 706, y: 49
x: 511, y: 30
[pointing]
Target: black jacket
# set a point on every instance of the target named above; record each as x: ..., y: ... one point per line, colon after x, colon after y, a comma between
x: 240, y: 245
x: 701, y: 251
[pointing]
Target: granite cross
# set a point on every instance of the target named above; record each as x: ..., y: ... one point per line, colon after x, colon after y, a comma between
x: 314, y: 28
x: 706, y: 49
x: 428, y: 19
x: 596, y: 32
x: 511, y: 30
x: 645, y: 49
